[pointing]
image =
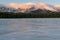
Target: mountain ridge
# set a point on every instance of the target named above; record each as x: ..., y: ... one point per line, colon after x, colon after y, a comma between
x: 31, y: 6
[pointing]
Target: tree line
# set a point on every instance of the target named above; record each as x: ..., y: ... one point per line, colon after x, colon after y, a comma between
x: 29, y: 15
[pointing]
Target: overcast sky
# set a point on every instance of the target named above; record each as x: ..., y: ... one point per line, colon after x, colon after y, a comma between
x: 52, y: 2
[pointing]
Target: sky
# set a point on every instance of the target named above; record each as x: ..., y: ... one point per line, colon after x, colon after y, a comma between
x: 52, y: 2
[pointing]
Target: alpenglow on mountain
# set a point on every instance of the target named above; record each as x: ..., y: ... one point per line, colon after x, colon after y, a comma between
x: 28, y: 7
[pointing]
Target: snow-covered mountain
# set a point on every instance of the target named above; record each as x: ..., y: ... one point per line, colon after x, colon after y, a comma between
x: 57, y: 7
x: 4, y: 8
x: 28, y: 7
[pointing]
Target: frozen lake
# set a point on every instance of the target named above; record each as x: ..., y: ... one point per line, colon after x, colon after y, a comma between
x: 30, y: 29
